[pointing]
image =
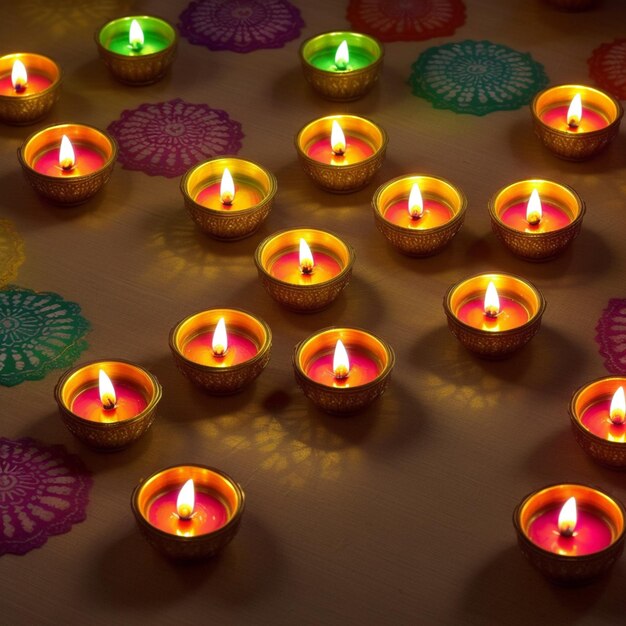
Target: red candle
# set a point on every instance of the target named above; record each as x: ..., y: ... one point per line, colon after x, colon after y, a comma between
x: 209, y: 513
x: 87, y: 160
x: 339, y: 149
x: 35, y: 83
x: 435, y: 213
x: 605, y: 418
x: 130, y: 401
x: 363, y: 369
x: 592, y: 533
x: 286, y: 267
x: 229, y: 196
x: 553, y: 217
x: 199, y: 349
x: 512, y: 314
x: 591, y: 120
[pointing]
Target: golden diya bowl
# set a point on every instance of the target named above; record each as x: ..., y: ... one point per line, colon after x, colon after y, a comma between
x: 142, y: 68
x: 351, y: 175
x: 213, y: 376
x: 576, y: 146
x: 537, y: 245
x: 570, y: 568
x: 410, y: 239
x: 26, y: 108
x: 606, y: 451
x: 221, y: 221
x: 185, y: 546
x: 307, y: 297
x: 494, y: 343
x: 116, y: 433
x: 343, y: 399
x: 74, y: 189
x: 317, y: 56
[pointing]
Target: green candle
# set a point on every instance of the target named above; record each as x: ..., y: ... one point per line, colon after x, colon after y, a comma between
x: 321, y: 52
x: 157, y: 36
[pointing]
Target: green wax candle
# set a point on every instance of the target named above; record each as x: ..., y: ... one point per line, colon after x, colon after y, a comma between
x: 157, y: 35
x: 325, y: 59
x: 320, y: 51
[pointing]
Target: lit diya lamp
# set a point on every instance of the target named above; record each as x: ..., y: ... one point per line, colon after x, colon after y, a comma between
x: 572, y: 533
x: 228, y: 197
x: 341, y: 153
x: 417, y: 214
x: 343, y: 370
x: 304, y: 269
x: 107, y: 404
x: 188, y: 511
x: 536, y: 219
x: 29, y: 87
x: 68, y: 163
x: 221, y: 350
x: 575, y: 122
x: 493, y: 314
x: 341, y: 66
x: 597, y: 412
x: 138, y: 50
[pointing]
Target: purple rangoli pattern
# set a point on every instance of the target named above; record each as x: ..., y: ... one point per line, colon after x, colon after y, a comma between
x: 240, y: 25
x: 611, y: 336
x: 44, y: 491
x: 167, y: 138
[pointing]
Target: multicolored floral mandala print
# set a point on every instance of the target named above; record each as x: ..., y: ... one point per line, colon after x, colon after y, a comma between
x: 611, y: 336
x: 39, y: 332
x: 167, y: 138
x: 607, y: 67
x: 44, y: 491
x: 406, y: 20
x: 240, y: 25
x: 476, y: 77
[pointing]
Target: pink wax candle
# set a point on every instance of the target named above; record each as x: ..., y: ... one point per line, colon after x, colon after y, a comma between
x: 35, y: 83
x: 286, y: 267
x: 553, y: 217
x: 199, y: 349
x: 246, y: 196
x: 592, y: 533
x: 209, y: 514
x: 363, y: 368
x: 591, y: 120
x: 87, y: 160
x: 596, y: 418
x: 356, y: 150
x: 512, y: 314
x: 130, y: 401
x: 435, y: 213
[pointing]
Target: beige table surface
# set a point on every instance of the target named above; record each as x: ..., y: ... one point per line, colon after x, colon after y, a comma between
x: 402, y: 514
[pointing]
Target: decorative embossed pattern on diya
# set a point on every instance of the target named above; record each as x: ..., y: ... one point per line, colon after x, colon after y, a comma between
x: 44, y: 491
x: 240, y: 25
x: 39, y: 332
x: 167, y: 138
x: 476, y: 77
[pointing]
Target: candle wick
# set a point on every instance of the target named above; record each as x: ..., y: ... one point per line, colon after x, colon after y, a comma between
x: 341, y: 372
x: 219, y: 351
x: 19, y: 88
x: 338, y: 152
x: 492, y: 312
x: 567, y: 532
x: 108, y: 405
x: 306, y: 269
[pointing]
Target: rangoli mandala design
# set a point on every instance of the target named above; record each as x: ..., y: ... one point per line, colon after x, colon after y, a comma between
x: 476, y: 77
x: 39, y: 332
x: 611, y: 336
x: 167, y: 138
x: 406, y: 20
x: 240, y: 25
x: 44, y: 491
x: 11, y: 252
x: 607, y: 67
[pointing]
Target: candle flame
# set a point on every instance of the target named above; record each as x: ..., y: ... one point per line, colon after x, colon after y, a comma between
x: 618, y: 407
x: 220, y: 338
x: 416, y: 203
x: 67, y: 160
x: 135, y: 36
x: 492, y: 301
x: 534, y: 211
x: 186, y: 500
x: 227, y: 187
x: 567, y: 518
x: 107, y: 391
x: 341, y: 362
x: 575, y: 111
x: 306, y: 258
x: 19, y: 77
x: 342, y: 56
x: 337, y: 139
